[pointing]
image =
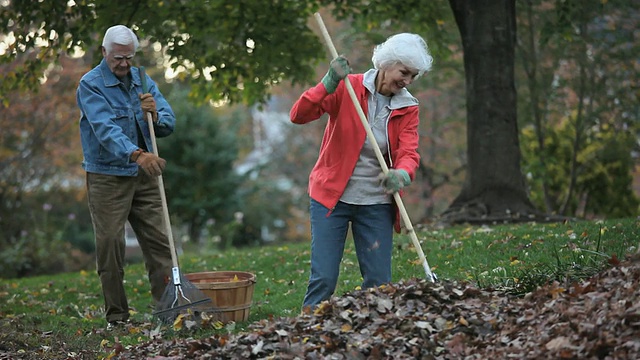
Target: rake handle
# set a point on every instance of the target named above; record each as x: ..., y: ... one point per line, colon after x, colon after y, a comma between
x: 165, y: 209
x: 376, y: 150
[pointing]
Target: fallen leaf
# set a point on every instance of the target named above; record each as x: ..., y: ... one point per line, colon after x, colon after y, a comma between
x: 557, y: 343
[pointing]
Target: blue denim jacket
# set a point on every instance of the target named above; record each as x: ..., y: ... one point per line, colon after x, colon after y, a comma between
x: 108, y: 114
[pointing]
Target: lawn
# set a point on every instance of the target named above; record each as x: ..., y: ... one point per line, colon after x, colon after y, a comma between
x: 60, y: 316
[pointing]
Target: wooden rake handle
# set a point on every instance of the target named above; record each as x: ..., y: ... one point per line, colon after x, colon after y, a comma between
x: 385, y: 169
x: 165, y: 209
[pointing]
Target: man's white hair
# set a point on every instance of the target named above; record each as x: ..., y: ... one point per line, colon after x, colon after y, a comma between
x: 121, y: 35
x: 408, y: 49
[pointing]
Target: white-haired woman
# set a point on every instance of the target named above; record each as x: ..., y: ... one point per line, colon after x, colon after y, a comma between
x: 345, y: 184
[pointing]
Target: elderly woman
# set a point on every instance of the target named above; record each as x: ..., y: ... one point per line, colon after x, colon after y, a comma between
x: 346, y: 185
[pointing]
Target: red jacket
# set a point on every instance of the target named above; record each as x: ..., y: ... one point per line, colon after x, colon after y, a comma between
x: 344, y: 136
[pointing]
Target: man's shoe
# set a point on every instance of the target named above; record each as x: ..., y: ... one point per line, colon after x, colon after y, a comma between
x: 115, y: 325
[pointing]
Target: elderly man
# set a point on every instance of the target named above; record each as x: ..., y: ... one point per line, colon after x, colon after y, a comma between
x: 121, y: 169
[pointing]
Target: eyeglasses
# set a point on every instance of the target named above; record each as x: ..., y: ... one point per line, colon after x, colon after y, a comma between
x: 123, y: 57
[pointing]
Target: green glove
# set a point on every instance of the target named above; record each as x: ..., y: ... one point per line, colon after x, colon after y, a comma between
x: 338, y: 70
x: 395, y: 180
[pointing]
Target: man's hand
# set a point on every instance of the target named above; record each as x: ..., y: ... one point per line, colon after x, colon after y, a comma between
x: 338, y: 70
x: 395, y: 180
x: 148, y: 105
x: 151, y: 164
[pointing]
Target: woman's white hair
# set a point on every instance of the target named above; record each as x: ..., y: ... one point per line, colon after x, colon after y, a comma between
x: 408, y: 49
x: 121, y: 35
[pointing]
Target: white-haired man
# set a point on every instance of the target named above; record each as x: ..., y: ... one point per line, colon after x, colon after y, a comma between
x: 121, y: 169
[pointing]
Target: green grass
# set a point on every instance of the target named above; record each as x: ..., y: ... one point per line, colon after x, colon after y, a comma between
x: 62, y: 313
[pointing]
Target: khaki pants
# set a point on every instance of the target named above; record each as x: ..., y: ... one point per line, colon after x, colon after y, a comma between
x: 112, y: 201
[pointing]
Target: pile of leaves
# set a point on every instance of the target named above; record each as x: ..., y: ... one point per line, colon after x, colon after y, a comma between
x: 598, y: 318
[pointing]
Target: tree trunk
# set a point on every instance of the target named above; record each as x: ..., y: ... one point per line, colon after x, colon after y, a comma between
x: 494, y: 188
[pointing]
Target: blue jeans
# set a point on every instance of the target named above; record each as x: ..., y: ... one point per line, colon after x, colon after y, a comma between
x: 372, y: 229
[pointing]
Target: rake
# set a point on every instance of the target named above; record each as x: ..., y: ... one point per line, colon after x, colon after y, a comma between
x: 385, y: 169
x: 180, y: 296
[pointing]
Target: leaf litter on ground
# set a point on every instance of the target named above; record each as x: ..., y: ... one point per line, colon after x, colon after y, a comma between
x: 597, y: 318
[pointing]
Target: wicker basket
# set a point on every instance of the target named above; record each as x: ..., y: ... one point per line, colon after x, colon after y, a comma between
x: 231, y: 293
